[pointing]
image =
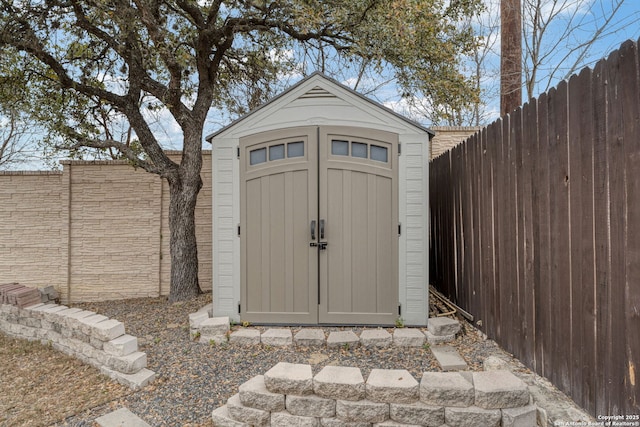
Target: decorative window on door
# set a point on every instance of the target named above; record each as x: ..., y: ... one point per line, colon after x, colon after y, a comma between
x: 360, y: 149
x: 276, y: 152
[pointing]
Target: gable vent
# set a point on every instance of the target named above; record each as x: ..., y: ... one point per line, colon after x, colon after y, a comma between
x: 318, y: 92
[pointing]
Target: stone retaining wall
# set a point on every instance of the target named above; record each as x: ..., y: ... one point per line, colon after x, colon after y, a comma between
x: 289, y: 395
x: 90, y: 337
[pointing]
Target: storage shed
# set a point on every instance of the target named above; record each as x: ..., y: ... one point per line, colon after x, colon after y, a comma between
x: 320, y: 211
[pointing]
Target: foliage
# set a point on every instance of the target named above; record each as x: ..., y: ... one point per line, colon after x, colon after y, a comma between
x: 98, y: 71
x: 110, y: 76
x: 15, y: 129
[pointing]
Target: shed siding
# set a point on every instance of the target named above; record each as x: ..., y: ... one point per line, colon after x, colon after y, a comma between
x: 414, y: 267
x: 226, y: 245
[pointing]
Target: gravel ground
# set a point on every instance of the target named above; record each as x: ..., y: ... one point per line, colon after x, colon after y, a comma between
x: 193, y: 378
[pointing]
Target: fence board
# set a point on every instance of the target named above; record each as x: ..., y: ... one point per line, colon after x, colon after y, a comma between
x: 562, y: 253
x: 503, y: 206
x: 516, y: 227
x: 457, y: 212
x: 554, y: 303
x: 465, y: 210
x: 579, y: 219
x: 475, y: 298
x: 493, y: 141
x: 485, y: 229
x: 542, y: 232
x: 529, y: 137
x: 617, y: 201
x: 587, y: 290
x: 630, y: 98
x: 601, y: 221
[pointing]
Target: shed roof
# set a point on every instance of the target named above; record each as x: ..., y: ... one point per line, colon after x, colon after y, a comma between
x: 317, y: 86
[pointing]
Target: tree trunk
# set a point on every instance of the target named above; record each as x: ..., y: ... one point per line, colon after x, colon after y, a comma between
x: 184, y: 186
x: 510, y: 56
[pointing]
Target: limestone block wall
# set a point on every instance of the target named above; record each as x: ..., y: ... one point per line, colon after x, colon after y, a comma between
x: 289, y: 395
x: 114, y: 213
x: 98, y: 230
x: 448, y: 137
x: 90, y: 337
x: 32, y: 228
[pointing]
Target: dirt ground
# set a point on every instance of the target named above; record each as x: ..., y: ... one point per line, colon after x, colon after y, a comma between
x: 41, y: 386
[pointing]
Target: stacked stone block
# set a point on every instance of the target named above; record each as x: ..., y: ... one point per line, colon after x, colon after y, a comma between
x: 289, y: 395
x: 207, y: 329
x: 18, y: 295
x: 92, y: 338
x: 441, y: 330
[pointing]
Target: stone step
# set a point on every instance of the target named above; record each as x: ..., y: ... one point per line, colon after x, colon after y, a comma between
x: 408, y: 337
x: 339, y: 382
x: 499, y: 390
x: 254, y: 394
x: 439, y: 339
x: 446, y: 389
x: 377, y: 338
x: 134, y: 381
x: 449, y: 358
x: 121, y: 417
x: 392, y: 385
x: 277, y: 337
x: 214, y: 326
x: 441, y: 326
x: 440, y: 330
x: 245, y: 414
x: 245, y: 337
x: 222, y: 418
x: 195, y: 319
x: 309, y: 337
x: 289, y: 378
x: 344, y: 339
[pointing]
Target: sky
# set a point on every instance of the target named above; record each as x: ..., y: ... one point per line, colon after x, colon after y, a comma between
x: 587, y: 15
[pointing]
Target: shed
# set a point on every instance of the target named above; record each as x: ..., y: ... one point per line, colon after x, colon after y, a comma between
x: 320, y: 211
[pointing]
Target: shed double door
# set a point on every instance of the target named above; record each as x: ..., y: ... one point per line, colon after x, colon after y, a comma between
x: 319, y: 226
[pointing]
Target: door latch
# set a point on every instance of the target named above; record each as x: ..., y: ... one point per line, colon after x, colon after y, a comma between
x: 320, y: 245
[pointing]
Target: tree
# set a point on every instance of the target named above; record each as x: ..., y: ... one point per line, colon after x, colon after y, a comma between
x: 510, y: 56
x: 14, y: 141
x: 122, y: 60
x: 15, y: 130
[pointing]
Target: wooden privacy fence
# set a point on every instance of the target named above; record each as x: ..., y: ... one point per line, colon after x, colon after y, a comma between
x: 535, y: 230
